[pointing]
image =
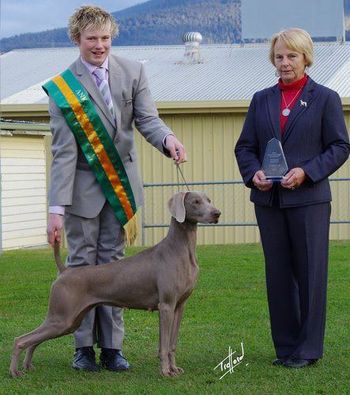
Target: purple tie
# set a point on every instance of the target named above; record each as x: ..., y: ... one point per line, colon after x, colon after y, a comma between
x: 102, y: 83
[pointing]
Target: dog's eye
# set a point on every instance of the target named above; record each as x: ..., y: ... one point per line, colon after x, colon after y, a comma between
x: 197, y: 201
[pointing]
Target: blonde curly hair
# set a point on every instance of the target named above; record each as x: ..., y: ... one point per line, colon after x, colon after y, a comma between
x: 90, y: 17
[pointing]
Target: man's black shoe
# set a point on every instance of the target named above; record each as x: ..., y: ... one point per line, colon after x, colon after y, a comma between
x: 298, y: 363
x: 84, y: 359
x: 113, y: 360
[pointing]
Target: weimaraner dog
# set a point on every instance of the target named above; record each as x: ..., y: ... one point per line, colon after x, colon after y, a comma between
x: 159, y: 278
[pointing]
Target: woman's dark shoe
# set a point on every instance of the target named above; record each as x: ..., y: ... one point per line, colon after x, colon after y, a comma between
x: 278, y: 361
x: 113, y: 360
x: 298, y: 363
x: 84, y: 359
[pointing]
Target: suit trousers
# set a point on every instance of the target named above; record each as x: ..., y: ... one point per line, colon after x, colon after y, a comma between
x: 295, y: 243
x: 95, y: 241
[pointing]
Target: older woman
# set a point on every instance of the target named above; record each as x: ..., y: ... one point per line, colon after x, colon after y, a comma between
x: 293, y: 215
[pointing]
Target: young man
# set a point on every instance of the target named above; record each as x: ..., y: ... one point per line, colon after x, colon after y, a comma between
x: 95, y: 185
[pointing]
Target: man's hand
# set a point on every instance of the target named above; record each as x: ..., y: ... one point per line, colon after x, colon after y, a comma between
x: 294, y: 178
x: 260, y: 181
x: 54, y: 228
x: 176, y: 149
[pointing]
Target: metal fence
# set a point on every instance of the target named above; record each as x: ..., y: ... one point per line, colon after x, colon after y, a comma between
x: 232, y: 198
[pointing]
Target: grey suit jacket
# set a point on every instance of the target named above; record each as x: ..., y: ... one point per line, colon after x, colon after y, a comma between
x: 73, y: 184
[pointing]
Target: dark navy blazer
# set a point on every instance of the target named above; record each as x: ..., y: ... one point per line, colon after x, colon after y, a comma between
x: 315, y: 139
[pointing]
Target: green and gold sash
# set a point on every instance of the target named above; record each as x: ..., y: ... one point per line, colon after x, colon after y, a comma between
x: 96, y: 144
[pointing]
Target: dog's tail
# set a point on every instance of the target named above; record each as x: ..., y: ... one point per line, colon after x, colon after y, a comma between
x: 58, y: 260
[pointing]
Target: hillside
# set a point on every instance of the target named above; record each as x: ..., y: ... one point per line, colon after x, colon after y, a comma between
x: 155, y: 22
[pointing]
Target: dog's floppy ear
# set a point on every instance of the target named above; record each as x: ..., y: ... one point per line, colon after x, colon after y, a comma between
x: 177, y: 206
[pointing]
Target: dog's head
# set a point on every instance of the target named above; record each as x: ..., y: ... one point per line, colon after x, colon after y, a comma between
x: 193, y: 207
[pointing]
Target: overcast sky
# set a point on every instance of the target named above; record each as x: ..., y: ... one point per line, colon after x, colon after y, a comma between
x: 23, y: 16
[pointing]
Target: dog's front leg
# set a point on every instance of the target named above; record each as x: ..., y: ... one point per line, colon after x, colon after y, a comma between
x: 174, y: 337
x: 166, y: 319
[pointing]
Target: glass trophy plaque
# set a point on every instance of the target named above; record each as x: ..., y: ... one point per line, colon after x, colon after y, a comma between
x: 274, y: 164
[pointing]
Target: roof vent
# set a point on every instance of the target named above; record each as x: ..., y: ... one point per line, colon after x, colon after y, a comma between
x: 192, y: 53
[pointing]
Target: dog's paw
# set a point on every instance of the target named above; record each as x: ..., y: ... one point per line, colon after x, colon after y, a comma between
x: 167, y: 372
x: 29, y: 366
x: 176, y: 370
x: 16, y: 373
x: 172, y: 371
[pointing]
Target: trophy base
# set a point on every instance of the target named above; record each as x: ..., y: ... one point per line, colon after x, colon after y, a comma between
x: 274, y: 178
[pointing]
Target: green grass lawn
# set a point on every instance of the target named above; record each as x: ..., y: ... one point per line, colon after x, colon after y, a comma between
x: 227, y: 307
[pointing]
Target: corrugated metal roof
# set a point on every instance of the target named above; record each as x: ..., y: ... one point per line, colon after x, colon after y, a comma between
x: 228, y: 72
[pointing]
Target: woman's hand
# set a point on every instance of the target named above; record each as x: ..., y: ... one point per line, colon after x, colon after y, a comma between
x: 260, y: 181
x: 294, y: 178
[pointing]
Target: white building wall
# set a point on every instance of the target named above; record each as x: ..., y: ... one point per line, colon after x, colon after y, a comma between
x: 23, y: 191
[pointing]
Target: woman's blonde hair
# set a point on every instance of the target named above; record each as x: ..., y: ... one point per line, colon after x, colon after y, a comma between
x: 297, y: 40
x: 90, y: 17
